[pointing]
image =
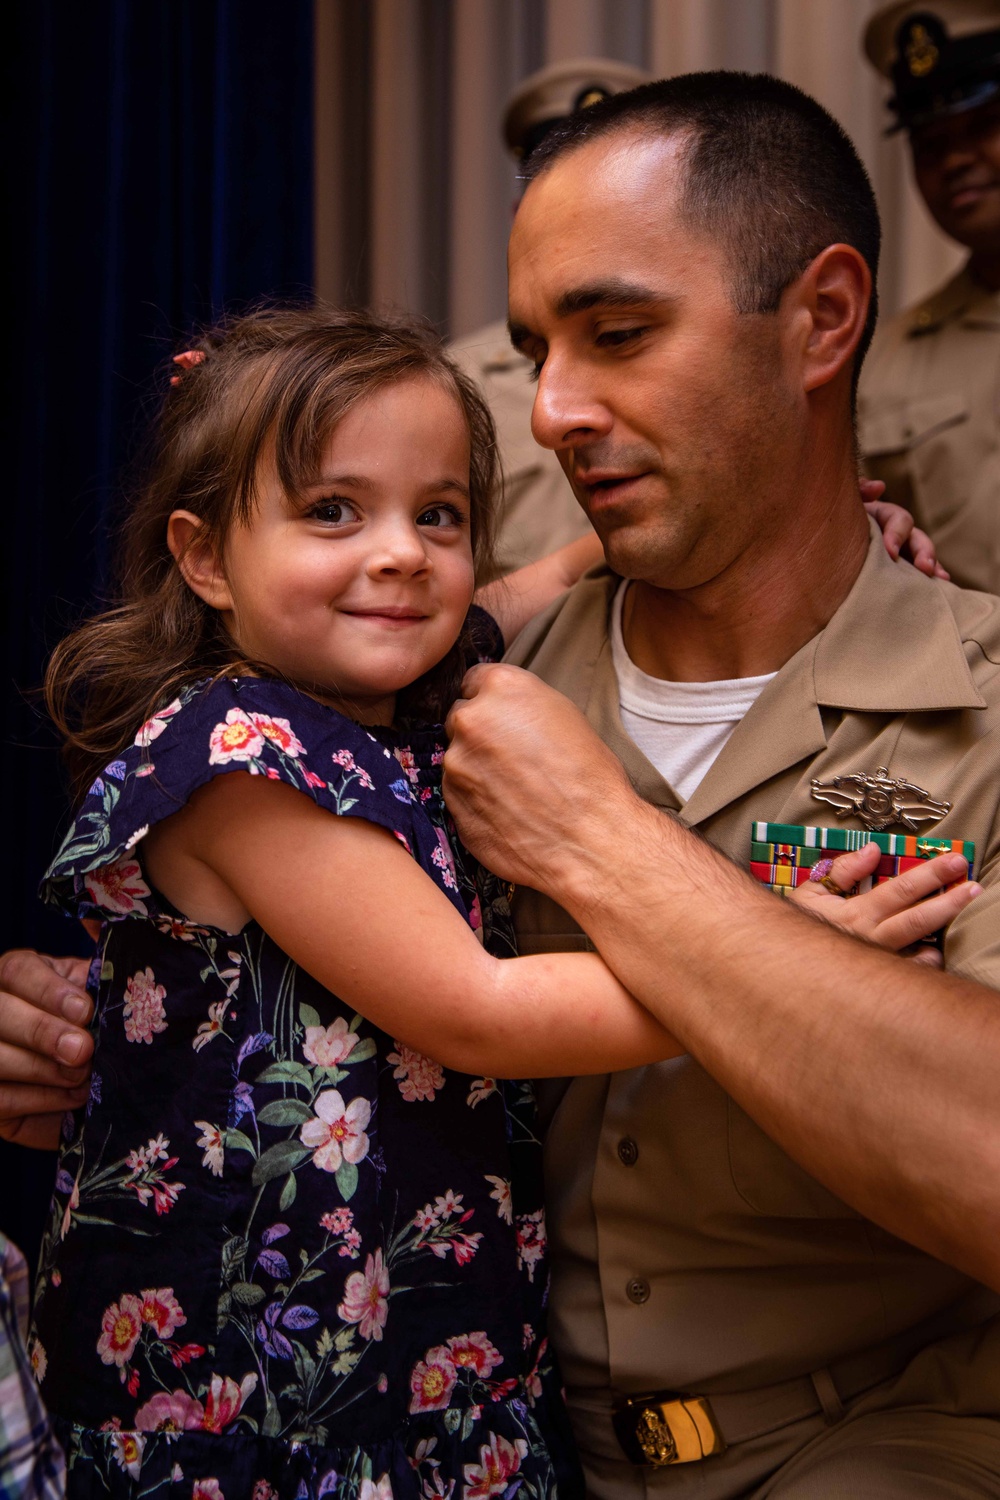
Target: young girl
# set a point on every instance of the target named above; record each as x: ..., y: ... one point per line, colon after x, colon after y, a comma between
x: 297, y: 1245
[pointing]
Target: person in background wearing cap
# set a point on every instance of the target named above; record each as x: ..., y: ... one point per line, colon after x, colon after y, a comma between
x: 540, y: 511
x: 928, y: 401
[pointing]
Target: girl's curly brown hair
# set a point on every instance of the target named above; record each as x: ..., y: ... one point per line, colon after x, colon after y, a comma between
x: 274, y: 383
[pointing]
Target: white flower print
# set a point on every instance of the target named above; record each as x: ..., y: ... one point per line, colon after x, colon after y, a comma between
x: 500, y: 1196
x: 118, y: 887
x: 211, y: 1143
x: 336, y: 1133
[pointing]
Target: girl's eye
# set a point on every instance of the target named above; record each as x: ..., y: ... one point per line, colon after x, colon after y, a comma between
x: 334, y: 512
x: 440, y: 516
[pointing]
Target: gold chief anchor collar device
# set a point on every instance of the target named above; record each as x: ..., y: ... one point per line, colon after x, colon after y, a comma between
x: 663, y: 1428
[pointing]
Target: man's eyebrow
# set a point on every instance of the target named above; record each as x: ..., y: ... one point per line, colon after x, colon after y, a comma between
x: 614, y: 292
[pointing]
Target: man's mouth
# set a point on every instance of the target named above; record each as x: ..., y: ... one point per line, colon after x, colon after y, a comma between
x: 969, y: 194
x: 606, y: 486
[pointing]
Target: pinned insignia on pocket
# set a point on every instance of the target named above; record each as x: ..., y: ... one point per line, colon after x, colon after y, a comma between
x: 880, y: 800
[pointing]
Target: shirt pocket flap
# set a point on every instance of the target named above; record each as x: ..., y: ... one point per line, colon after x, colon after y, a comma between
x: 897, y: 426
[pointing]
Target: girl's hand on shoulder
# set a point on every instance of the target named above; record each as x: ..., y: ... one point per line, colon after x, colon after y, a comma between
x: 898, y: 914
x: 901, y: 536
x: 518, y: 597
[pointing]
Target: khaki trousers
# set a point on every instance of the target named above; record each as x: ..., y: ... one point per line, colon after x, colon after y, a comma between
x: 931, y: 1433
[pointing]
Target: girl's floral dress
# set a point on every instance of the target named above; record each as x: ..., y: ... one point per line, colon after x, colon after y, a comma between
x: 288, y: 1255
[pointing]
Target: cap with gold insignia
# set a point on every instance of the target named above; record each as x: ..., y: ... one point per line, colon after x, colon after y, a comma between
x: 558, y: 91
x: 943, y: 57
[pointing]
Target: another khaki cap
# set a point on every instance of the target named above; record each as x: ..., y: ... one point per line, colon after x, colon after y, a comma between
x: 943, y: 57
x: 555, y: 92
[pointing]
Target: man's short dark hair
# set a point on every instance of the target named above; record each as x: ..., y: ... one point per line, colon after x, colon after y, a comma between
x: 768, y: 173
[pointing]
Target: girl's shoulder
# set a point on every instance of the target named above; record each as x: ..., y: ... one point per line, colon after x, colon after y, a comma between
x: 254, y: 725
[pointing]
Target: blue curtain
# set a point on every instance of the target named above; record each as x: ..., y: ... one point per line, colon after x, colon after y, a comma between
x: 159, y: 171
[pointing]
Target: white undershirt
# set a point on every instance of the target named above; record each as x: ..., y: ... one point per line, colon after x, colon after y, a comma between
x: 679, y: 726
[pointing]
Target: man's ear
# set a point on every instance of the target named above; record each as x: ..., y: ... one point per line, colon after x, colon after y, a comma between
x: 197, y: 559
x: 829, y: 307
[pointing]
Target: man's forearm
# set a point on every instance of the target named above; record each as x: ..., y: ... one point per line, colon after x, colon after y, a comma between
x: 879, y: 1076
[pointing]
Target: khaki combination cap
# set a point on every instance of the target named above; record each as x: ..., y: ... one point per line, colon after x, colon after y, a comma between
x: 558, y: 91
x: 942, y: 57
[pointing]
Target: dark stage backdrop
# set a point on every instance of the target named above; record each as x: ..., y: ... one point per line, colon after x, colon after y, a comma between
x: 160, y: 170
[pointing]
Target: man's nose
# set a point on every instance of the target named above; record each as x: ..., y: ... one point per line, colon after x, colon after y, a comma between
x: 567, y: 410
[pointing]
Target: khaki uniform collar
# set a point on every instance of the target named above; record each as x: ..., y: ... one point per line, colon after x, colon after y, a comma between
x: 892, y: 647
x: 962, y: 300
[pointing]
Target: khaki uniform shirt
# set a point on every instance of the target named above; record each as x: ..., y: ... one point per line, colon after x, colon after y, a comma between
x: 689, y: 1252
x: 929, y: 424
x: 539, y: 511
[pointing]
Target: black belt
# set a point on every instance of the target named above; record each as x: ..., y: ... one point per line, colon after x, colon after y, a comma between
x: 670, y: 1427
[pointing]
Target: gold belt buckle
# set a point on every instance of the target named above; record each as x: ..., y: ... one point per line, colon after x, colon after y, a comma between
x: 664, y: 1428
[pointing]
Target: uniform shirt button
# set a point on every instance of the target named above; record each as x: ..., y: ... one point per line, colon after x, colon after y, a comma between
x: 637, y: 1290
x: 628, y: 1151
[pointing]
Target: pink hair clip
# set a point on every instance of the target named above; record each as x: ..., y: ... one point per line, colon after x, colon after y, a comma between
x: 187, y: 361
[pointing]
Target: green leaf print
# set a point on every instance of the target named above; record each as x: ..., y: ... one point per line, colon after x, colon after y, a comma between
x: 285, y: 1112
x: 288, y: 1192
x: 277, y: 1160
x: 308, y: 1016
x: 286, y: 1072
x: 347, y: 1180
x: 247, y: 1294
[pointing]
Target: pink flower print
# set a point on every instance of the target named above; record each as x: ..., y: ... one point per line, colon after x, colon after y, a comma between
x: 351, y: 1246
x: 211, y: 1143
x: 336, y: 1133
x: 143, y: 1012
x: 473, y: 1351
x: 337, y: 1222
x: 443, y: 857
x: 161, y: 1309
x: 263, y: 1491
x: 127, y: 1449
x: 327, y: 1046
x: 313, y: 780
x: 376, y: 1489
x: 279, y: 732
x: 498, y: 1460
x: 165, y: 1195
x: 366, y: 1298
x: 530, y: 1241
x: 210, y: 1028
x: 207, y: 1489
x: 225, y: 1400
x: 118, y: 887
x: 501, y: 1197
x: 174, y: 1411
x: 155, y: 726
x: 38, y: 1359
x: 432, y: 1381
x: 121, y: 1326
x: 419, y: 1077
x: 237, y: 739
x: 405, y: 757
x: 346, y: 761
x: 464, y: 1247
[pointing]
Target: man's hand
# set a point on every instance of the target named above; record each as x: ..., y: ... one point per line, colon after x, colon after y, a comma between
x: 44, y: 1049
x: 522, y: 768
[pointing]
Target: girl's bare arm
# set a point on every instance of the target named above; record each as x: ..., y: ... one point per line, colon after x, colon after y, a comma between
x: 344, y: 899
x: 516, y: 599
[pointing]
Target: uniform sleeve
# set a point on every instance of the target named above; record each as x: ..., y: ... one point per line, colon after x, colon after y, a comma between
x: 244, y: 725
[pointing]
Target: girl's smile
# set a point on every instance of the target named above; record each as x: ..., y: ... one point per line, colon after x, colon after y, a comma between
x: 360, y: 584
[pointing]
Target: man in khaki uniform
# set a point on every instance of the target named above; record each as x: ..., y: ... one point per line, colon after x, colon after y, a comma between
x: 769, y: 1254
x: 540, y: 511
x: 929, y: 406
